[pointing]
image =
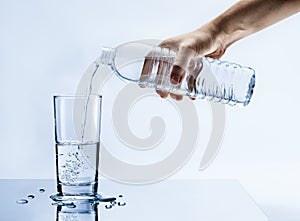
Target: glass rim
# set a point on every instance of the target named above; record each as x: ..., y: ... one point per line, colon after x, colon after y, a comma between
x: 77, y: 96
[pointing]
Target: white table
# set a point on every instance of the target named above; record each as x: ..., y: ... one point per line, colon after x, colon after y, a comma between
x: 176, y: 200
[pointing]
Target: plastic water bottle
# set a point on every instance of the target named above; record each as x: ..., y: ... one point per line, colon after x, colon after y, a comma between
x: 208, y: 78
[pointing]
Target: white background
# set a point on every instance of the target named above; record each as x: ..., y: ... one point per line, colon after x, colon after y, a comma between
x: 45, y: 46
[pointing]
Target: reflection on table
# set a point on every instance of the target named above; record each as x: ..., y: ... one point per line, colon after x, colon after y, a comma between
x: 176, y: 200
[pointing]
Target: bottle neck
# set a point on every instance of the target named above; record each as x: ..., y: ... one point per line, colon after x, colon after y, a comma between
x: 107, y: 55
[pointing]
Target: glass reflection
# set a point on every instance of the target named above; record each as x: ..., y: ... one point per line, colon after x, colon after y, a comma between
x: 77, y: 212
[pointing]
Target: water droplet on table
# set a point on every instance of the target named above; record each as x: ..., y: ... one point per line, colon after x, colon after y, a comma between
x: 30, y: 196
x: 121, y: 203
x: 109, y: 206
x: 22, y: 201
x: 107, y: 199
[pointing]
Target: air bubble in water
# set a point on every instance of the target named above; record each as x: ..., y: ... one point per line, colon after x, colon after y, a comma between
x: 42, y: 190
x: 22, y: 201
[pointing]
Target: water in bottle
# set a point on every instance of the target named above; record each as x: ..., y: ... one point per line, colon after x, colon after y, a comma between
x: 207, y: 78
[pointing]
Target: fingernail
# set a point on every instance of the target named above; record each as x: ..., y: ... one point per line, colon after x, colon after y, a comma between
x: 164, y: 95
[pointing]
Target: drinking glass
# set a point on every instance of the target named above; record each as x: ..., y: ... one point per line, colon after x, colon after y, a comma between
x: 77, y: 121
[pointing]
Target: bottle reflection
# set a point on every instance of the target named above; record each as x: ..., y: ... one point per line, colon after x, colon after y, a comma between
x: 77, y: 212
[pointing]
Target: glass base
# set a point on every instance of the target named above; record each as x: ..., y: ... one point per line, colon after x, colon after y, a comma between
x: 75, y: 198
x: 86, y: 189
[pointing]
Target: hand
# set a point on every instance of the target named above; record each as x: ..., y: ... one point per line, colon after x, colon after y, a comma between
x: 206, y: 41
